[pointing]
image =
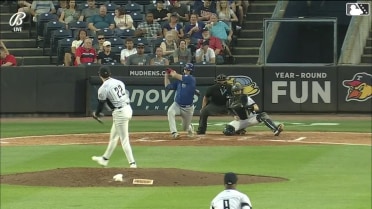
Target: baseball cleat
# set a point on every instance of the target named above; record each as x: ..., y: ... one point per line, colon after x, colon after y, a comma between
x: 132, y: 165
x: 279, y: 130
x: 175, y: 135
x: 190, y: 132
x: 100, y: 160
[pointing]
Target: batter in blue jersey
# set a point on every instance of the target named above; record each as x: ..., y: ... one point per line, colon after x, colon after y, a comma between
x: 185, y: 87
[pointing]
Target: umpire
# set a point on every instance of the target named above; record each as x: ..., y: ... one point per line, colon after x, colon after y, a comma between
x: 214, y: 101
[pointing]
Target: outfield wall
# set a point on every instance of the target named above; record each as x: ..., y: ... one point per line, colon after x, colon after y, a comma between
x: 283, y: 89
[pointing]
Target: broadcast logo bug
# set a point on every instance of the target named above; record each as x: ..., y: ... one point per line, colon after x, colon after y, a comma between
x: 357, y: 9
x: 16, y: 21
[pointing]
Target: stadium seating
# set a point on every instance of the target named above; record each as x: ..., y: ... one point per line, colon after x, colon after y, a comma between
x: 63, y: 46
x: 56, y: 36
x: 115, y: 41
x: 48, y: 29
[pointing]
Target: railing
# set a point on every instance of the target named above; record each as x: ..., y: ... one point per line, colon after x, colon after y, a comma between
x: 272, y: 29
x: 355, y: 40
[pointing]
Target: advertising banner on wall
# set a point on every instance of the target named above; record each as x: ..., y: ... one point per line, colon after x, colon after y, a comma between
x: 300, y: 89
x: 355, y: 88
x: 148, y: 96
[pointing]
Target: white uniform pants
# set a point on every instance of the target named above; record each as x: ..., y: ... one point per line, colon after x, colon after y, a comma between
x: 119, y: 130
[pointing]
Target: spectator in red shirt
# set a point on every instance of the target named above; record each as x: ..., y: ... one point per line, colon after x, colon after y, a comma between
x: 86, y: 53
x: 214, y: 43
x: 6, y: 59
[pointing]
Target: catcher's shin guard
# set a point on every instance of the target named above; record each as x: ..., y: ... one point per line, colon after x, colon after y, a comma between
x: 263, y: 117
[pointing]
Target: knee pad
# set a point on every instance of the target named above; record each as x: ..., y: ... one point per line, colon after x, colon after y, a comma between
x: 229, y: 130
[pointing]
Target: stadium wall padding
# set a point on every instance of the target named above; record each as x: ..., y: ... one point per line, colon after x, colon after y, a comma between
x: 283, y: 89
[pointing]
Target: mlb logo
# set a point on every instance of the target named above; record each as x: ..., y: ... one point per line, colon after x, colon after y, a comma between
x: 357, y: 9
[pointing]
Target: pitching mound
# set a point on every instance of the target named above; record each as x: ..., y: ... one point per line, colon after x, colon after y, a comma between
x: 103, y: 177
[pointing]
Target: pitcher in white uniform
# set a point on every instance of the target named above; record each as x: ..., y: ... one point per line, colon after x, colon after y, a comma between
x: 230, y: 198
x: 113, y: 93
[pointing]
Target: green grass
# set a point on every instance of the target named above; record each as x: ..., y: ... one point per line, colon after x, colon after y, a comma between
x: 71, y: 126
x: 320, y: 176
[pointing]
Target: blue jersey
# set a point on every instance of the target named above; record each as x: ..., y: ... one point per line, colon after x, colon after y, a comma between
x: 185, y: 90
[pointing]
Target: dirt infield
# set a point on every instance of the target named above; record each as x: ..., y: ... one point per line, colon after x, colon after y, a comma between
x: 102, y: 177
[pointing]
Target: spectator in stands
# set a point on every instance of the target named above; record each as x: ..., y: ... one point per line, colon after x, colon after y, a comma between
x: 160, y: 13
x: 182, y: 53
x: 86, y: 53
x: 25, y: 6
x: 140, y: 58
x: 122, y: 21
x: 159, y: 59
x: 62, y: 5
x: 129, y: 50
x: 174, y: 27
x: 181, y: 10
x: 101, y: 21
x: 220, y: 30
x: 214, y: 43
x: 70, y: 13
x: 79, y: 41
x: 169, y: 44
x: 6, y: 59
x: 240, y: 9
x: 149, y: 29
x: 89, y: 12
x: 194, y: 29
x: 205, y: 55
x: 41, y: 7
x: 101, y: 39
x: 225, y: 13
x: 107, y: 56
x: 204, y: 12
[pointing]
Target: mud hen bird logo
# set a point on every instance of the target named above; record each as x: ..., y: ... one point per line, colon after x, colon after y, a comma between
x: 249, y: 87
x: 360, y: 87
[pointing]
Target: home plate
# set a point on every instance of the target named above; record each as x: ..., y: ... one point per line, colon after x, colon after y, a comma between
x: 300, y: 138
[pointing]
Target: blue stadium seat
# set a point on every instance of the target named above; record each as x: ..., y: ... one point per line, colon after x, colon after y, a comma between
x: 127, y: 33
x: 41, y: 21
x: 63, y: 46
x: 111, y: 7
x: 56, y: 36
x: 48, y: 29
x: 108, y: 33
x: 133, y: 7
x: 140, y: 40
x: 116, y: 42
x: 77, y: 25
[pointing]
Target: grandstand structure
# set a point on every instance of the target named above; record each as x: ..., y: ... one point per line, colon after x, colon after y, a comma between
x: 245, y: 48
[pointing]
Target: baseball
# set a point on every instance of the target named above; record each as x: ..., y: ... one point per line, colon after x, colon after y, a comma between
x: 118, y: 177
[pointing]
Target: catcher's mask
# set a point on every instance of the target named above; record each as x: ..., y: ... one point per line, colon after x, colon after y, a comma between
x: 237, y: 88
x: 229, y: 130
x: 221, y: 78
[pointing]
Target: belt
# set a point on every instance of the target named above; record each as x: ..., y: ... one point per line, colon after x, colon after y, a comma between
x: 185, y: 106
x: 118, y: 108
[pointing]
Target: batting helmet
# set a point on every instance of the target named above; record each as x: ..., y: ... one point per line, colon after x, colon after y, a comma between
x: 189, y: 66
x: 221, y: 77
x: 229, y: 130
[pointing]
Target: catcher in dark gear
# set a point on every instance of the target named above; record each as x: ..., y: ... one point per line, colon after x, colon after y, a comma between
x: 214, y: 101
x: 245, y: 109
